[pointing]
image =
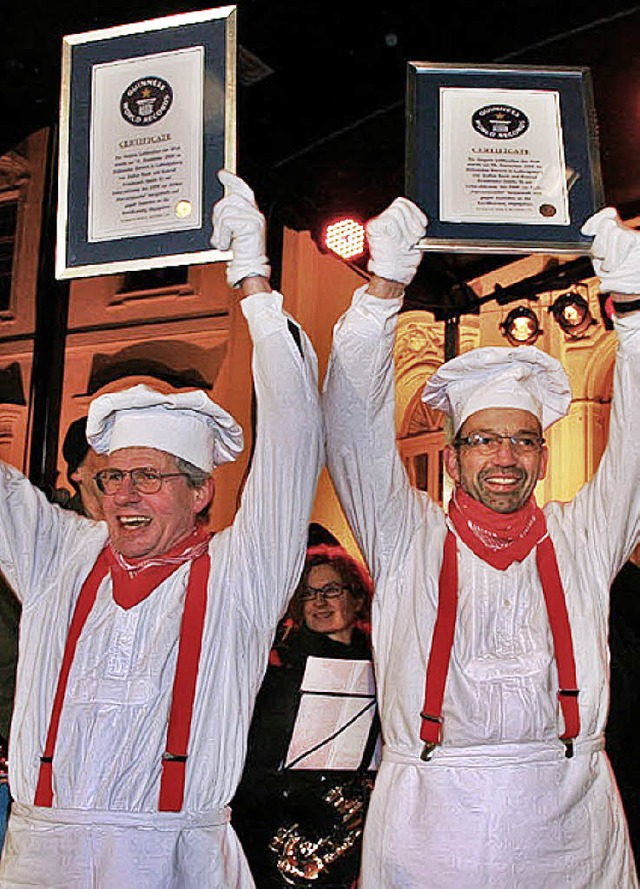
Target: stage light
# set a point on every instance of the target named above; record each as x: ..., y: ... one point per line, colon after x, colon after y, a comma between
x: 571, y: 311
x: 345, y: 237
x: 521, y: 327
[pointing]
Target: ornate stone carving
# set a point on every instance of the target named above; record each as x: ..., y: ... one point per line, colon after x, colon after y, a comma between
x: 419, y: 340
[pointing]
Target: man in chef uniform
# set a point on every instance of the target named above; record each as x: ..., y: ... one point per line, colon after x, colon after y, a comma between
x: 489, y: 624
x: 144, y: 639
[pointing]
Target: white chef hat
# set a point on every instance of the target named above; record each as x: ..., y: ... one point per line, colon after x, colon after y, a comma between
x: 188, y: 425
x: 499, y: 376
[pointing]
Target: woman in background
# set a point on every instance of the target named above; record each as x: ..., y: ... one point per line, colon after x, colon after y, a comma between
x: 300, y: 806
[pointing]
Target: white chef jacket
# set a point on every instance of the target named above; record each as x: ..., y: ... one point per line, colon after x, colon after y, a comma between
x: 499, y: 805
x: 104, y: 829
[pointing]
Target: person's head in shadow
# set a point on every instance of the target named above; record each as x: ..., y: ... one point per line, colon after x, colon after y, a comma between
x: 82, y: 465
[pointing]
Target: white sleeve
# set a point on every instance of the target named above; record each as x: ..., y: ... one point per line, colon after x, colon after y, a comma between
x: 359, y: 408
x: 267, y: 541
x: 36, y: 537
x: 605, y: 514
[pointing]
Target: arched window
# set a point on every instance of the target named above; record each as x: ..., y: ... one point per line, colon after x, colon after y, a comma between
x: 420, y: 443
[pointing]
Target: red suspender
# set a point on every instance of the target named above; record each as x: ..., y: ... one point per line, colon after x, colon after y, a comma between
x: 442, y: 643
x: 562, y: 642
x: 174, y: 759
x: 184, y: 685
x: 84, y: 604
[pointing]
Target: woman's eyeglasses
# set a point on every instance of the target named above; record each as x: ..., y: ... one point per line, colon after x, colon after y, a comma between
x: 328, y: 591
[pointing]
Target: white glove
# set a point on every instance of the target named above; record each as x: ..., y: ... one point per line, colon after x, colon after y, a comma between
x: 239, y: 225
x: 392, y: 238
x: 615, y: 252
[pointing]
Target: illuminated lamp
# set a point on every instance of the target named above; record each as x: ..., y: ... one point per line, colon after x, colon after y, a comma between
x: 571, y: 311
x: 345, y: 237
x: 521, y: 327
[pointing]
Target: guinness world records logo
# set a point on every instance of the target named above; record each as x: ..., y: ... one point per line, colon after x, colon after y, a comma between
x: 146, y: 101
x: 500, y: 122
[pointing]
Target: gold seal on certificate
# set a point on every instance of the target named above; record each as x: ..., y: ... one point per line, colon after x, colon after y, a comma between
x: 502, y: 159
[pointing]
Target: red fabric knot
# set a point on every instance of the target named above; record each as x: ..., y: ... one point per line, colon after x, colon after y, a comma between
x: 134, y: 581
x: 497, y: 538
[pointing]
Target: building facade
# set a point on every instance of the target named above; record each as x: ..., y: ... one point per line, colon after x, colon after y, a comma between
x: 182, y: 327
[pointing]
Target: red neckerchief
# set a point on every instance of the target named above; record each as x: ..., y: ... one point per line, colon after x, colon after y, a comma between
x: 134, y: 581
x: 496, y: 538
x: 499, y: 540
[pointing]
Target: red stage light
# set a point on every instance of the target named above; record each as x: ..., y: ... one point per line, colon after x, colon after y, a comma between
x: 345, y: 237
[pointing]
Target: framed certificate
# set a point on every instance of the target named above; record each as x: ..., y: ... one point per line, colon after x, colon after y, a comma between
x: 502, y: 159
x: 147, y: 117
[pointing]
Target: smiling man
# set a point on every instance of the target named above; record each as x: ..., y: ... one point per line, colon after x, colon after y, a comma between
x: 500, y: 469
x: 144, y: 638
x: 490, y: 621
x: 149, y: 504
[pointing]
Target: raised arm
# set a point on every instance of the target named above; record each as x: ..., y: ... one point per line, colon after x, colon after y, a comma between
x: 611, y: 501
x: 267, y: 542
x: 37, y: 539
x: 359, y: 397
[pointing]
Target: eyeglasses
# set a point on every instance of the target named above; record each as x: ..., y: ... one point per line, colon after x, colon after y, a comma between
x: 490, y: 443
x: 147, y: 481
x: 328, y: 591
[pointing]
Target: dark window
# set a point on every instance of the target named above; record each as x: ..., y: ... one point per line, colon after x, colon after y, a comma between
x: 421, y: 462
x: 8, y: 222
x: 154, y: 279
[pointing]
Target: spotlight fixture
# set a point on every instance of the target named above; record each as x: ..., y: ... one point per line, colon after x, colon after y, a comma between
x: 571, y: 311
x: 521, y: 327
x: 345, y: 237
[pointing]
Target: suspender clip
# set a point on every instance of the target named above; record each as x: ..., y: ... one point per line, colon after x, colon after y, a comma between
x: 173, y: 757
x: 427, y: 751
x: 431, y: 718
x: 430, y: 746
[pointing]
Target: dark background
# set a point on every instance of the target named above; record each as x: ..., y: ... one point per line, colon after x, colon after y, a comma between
x: 321, y: 95
x: 321, y: 92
